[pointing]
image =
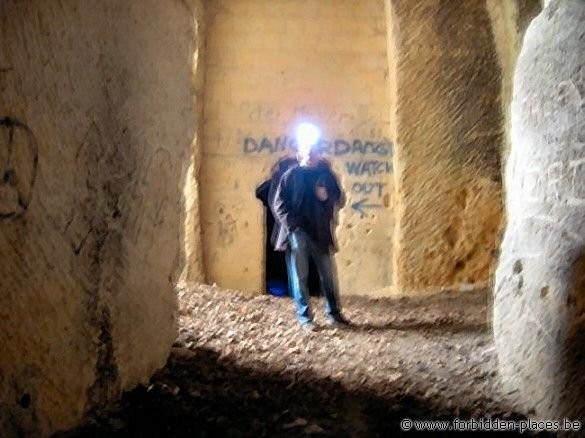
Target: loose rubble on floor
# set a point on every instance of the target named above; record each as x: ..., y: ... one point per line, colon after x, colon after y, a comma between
x: 242, y: 366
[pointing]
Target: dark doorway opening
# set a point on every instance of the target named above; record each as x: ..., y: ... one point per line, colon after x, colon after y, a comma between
x: 276, y: 275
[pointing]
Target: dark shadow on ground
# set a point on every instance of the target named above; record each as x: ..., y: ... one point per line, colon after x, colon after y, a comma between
x: 199, y: 394
x: 426, y: 326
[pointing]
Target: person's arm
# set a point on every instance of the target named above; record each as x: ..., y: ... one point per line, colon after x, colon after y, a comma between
x: 286, y: 200
x: 334, y: 189
x: 335, y: 195
x: 262, y: 192
x: 341, y: 198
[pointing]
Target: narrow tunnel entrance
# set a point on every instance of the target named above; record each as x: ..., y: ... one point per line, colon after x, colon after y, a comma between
x: 276, y: 275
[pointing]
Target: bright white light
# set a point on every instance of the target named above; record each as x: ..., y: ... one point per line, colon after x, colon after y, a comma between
x: 307, y: 135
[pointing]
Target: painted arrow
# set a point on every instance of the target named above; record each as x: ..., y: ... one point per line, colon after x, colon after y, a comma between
x: 360, y: 206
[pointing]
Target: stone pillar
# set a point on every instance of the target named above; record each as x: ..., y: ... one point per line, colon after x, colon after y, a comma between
x: 96, y: 120
x: 539, y: 320
x: 194, y: 270
x: 509, y: 20
x: 448, y: 126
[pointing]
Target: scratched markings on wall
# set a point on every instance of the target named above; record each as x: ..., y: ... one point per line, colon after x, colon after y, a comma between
x: 548, y: 184
x: 19, y: 157
x: 366, y: 175
x: 258, y: 112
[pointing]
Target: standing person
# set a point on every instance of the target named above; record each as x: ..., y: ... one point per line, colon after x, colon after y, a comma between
x: 304, y: 203
x: 276, y: 270
x: 277, y: 261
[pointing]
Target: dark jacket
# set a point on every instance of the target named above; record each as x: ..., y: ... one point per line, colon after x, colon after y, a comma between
x: 295, y: 205
x: 266, y: 190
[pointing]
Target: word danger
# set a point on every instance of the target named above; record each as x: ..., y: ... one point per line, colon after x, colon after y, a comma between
x: 265, y: 145
x: 341, y: 147
x: 338, y: 147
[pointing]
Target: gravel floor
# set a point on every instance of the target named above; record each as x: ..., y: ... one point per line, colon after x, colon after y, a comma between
x: 241, y: 366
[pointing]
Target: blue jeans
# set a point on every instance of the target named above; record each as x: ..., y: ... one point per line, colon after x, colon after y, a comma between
x: 301, y: 247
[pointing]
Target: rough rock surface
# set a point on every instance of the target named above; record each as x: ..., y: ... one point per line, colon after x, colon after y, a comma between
x: 241, y: 366
x: 509, y: 22
x: 96, y: 119
x: 194, y: 270
x: 449, y: 130
x: 435, y: 206
x: 539, y: 320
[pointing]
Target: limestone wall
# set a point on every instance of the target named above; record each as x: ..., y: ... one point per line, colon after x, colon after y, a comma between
x: 193, y: 269
x: 439, y: 100
x: 509, y: 21
x: 539, y: 322
x: 270, y: 65
x: 96, y: 121
x: 448, y: 125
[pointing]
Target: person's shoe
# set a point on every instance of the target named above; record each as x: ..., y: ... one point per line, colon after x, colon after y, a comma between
x: 338, y: 321
x: 309, y: 326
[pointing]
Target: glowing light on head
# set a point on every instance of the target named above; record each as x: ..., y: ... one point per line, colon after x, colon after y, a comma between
x: 307, y: 136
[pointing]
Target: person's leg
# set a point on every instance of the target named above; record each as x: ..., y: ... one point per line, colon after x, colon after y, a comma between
x: 328, y: 277
x: 298, y: 264
x: 288, y: 276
